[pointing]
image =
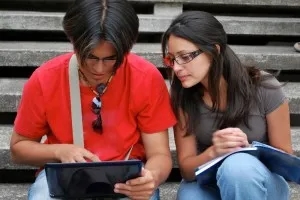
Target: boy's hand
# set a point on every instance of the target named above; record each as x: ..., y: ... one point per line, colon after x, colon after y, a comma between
x: 69, y: 153
x: 139, y: 188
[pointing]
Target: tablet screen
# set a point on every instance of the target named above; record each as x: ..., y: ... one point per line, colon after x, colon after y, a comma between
x: 90, y: 180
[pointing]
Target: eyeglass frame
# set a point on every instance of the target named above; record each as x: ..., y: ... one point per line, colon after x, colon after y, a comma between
x: 192, y: 55
x: 91, y: 57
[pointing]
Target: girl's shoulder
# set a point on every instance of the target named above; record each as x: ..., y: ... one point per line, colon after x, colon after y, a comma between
x: 270, y: 92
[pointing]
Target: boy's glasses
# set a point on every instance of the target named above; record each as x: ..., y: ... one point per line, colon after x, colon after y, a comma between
x: 94, y: 60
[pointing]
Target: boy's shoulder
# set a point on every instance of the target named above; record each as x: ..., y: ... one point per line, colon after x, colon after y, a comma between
x: 57, y: 63
x: 139, y: 64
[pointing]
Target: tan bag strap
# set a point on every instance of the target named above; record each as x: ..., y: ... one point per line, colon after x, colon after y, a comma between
x: 77, y: 128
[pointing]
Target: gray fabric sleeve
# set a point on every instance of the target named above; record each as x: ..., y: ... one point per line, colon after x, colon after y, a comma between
x: 272, y: 95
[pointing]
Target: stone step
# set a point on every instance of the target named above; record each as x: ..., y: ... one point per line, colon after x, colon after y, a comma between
x: 281, y: 3
x: 268, y: 3
x: 10, y: 94
x: 175, y: 7
x: 51, y: 21
x: 19, y: 191
x: 5, y: 133
x: 13, y: 191
x: 168, y: 191
x: 22, y: 54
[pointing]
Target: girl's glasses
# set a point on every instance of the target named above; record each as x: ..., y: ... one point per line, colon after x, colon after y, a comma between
x: 181, y: 59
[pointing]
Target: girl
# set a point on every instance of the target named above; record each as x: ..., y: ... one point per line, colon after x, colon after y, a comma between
x: 222, y: 106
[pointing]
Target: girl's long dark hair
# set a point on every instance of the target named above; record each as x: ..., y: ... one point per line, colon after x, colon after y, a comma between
x: 204, y: 30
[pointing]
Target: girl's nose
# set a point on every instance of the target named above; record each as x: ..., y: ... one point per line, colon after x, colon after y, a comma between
x: 176, y: 67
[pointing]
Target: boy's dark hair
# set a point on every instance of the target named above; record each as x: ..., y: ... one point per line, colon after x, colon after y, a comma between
x: 87, y: 22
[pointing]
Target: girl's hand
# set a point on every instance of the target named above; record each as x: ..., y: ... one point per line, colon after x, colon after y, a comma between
x: 228, y: 140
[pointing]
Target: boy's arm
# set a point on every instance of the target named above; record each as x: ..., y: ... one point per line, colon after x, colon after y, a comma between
x: 159, y: 160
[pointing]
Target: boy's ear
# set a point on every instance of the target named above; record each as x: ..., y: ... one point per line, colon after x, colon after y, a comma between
x: 218, y: 48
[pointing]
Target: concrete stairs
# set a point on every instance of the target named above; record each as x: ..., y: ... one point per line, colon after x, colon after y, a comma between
x: 167, y: 191
x: 261, y: 32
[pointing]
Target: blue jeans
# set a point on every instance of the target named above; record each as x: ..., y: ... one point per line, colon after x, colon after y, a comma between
x: 240, y: 177
x: 39, y: 189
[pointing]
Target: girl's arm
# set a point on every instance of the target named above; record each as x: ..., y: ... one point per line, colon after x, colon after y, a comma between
x: 279, y: 132
x: 186, y: 148
x: 188, y: 159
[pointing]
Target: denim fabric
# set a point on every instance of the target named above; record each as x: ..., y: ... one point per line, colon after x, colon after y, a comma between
x: 39, y: 189
x: 240, y: 177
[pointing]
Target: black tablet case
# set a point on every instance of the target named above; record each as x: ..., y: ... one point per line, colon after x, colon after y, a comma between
x: 88, y: 180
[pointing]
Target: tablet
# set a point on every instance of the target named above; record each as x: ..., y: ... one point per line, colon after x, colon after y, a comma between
x: 91, y: 179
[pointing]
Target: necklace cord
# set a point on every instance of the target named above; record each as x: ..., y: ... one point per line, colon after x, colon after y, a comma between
x: 96, y: 92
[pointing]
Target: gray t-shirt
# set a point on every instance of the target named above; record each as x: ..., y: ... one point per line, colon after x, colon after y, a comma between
x: 268, y: 100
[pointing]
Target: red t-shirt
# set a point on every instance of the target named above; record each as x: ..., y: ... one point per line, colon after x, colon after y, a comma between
x: 135, y: 101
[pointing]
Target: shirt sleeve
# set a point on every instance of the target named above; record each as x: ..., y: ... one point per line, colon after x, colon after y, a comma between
x: 31, y: 116
x: 272, y: 95
x: 157, y: 114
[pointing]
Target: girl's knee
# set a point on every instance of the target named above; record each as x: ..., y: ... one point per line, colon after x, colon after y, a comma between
x: 241, y: 167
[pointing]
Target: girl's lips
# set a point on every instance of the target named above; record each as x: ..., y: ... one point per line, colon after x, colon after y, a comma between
x: 182, y: 78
